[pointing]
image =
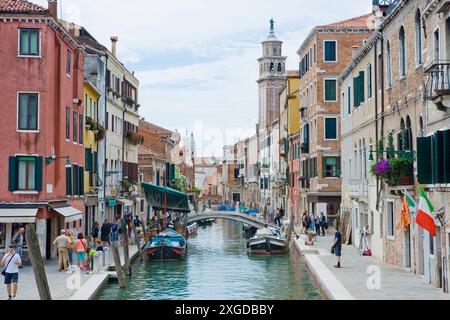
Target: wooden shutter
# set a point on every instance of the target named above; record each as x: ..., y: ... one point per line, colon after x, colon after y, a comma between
x: 12, y: 174
x: 361, y: 87
x: 438, y: 157
x: 95, y: 162
x: 76, y: 176
x: 424, y: 165
x: 106, y: 122
x: 69, y: 181
x: 38, y: 174
x: 446, y: 159
x: 87, y: 152
x: 81, y: 182
x: 355, y: 92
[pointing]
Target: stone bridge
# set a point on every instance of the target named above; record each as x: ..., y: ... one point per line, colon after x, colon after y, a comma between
x: 235, y: 216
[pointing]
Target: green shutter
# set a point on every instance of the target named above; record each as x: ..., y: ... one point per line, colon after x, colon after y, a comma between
x: 81, y: 175
x: 95, y: 162
x: 12, y: 174
x: 361, y: 87
x: 87, y: 159
x: 424, y: 166
x: 438, y: 157
x: 75, y: 180
x: 355, y: 92
x: 447, y: 156
x: 68, y: 181
x: 38, y: 177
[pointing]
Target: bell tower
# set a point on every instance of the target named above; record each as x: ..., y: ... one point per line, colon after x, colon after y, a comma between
x: 272, y: 75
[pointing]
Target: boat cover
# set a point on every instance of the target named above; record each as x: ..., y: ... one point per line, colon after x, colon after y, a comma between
x: 175, y: 200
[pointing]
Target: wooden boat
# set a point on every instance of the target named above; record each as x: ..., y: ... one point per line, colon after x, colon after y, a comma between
x: 166, y: 246
x: 192, y: 228
x: 268, y: 241
x: 206, y: 222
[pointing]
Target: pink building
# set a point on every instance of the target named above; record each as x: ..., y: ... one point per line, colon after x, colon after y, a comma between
x: 42, y: 158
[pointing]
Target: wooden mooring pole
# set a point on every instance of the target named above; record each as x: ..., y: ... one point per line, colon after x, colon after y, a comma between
x: 38, y: 263
x: 126, y: 248
x: 116, y: 255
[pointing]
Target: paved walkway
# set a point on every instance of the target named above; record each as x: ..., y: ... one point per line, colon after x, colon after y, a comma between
x: 63, y: 285
x: 357, y: 279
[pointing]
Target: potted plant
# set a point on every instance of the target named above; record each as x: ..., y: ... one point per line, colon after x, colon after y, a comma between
x: 99, y: 131
x: 400, y: 170
x: 89, y: 123
x: 129, y: 101
x: 382, y: 169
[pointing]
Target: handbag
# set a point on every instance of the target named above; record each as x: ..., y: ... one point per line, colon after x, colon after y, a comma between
x: 4, y: 270
x: 333, y: 249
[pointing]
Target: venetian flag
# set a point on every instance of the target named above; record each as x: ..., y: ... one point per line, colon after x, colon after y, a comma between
x: 411, y: 202
x: 425, y: 217
x: 405, y: 216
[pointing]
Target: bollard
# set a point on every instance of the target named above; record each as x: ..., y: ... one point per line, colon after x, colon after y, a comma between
x: 97, y: 258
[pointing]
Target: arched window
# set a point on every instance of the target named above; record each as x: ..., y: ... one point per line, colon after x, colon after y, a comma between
x: 420, y: 133
x: 388, y: 64
x: 272, y: 66
x: 369, y: 81
x: 409, y: 137
x: 402, y: 51
x: 279, y: 67
x: 418, y: 37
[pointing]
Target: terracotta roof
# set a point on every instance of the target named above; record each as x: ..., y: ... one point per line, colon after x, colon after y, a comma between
x: 364, y: 21
x: 21, y: 6
x: 292, y: 73
x: 92, y: 43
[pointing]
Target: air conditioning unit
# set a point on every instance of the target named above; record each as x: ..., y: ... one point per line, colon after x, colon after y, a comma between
x: 77, y: 101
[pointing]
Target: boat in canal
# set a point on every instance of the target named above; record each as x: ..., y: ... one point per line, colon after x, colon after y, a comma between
x: 192, y: 228
x: 166, y: 246
x: 268, y: 241
x: 249, y: 231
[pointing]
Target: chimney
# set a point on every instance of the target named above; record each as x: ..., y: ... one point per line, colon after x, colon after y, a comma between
x: 53, y: 8
x: 114, y: 40
x: 72, y: 29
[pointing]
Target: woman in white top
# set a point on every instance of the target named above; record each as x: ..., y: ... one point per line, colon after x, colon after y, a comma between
x: 12, y: 262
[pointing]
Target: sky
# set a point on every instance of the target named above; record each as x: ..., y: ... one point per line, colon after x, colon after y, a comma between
x: 196, y: 60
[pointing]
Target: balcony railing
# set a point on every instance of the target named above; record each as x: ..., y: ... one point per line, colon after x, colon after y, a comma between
x: 304, y: 183
x: 358, y: 188
x: 438, y: 80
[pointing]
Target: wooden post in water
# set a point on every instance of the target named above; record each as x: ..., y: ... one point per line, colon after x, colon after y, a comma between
x: 37, y: 262
x: 116, y: 255
x: 126, y: 248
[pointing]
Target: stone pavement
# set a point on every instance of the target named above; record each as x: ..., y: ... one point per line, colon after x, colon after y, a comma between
x: 357, y: 275
x: 62, y: 284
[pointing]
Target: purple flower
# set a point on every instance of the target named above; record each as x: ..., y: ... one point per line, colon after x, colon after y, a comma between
x: 383, y: 167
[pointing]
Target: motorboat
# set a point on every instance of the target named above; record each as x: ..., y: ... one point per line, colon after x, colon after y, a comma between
x: 166, y: 246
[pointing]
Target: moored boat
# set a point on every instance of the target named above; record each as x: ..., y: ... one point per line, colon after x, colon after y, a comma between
x: 249, y: 231
x: 166, y: 246
x: 192, y: 228
x: 268, y: 241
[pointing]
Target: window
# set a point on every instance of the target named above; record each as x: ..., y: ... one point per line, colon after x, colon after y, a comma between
x: 75, y: 127
x: 28, y: 111
x: 388, y: 64
x: 349, y: 101
x: 358, y: 89
x: 330, y: 90
x: 112, y: 123
x: 436, y: 54
x: 433, y: 162
x: 314, y: 52
x: 81, y: 131
x: 69, y: 181
x: 369, y: 81
x: 25, y: 173
x: 331, y: 129
x: 68, y: 62
x: 390, y: 218
x: 29, y: 42
x: 431, y: 238
x: 418, y: 36
x: 67, y: 123
x: 329, y: 54
x: 141, y: 206
x: 402, y: 52
x: 279, y: 67
x: 332, y: 166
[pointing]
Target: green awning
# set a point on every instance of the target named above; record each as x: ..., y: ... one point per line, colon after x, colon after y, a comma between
x: 175, y: 200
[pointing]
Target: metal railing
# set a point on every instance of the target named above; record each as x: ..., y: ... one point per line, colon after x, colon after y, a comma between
x: 438, y: 80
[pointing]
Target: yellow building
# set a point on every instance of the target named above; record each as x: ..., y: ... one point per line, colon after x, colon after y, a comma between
x: 293, y: 89
x: 91, y: 96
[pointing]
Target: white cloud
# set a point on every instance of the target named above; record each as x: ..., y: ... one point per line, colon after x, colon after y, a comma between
x: 196, y: 59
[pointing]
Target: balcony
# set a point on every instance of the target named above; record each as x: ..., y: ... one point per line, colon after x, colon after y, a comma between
x: 304, y: 183
x: 437, y: 88
x: 357, y: 188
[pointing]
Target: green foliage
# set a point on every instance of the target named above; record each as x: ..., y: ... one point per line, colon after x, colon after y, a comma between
x: 181, y: 182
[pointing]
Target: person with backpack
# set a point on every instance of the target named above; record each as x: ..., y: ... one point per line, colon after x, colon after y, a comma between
x: 12, y: 262
x: 323, y: 223
x: 95, y: 231
x: 105, y: 233
x: 18, y: 241
x: 81, y: 247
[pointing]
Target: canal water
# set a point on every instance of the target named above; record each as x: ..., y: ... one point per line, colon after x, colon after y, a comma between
x: 218, y: 268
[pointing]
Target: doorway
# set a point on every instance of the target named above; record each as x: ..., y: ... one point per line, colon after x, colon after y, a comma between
x: 48, y: 239
x: 408, y: 247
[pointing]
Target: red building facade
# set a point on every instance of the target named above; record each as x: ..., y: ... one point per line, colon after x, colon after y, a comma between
x: 42, y: 158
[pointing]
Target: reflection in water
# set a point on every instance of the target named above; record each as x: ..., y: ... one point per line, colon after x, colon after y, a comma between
x: 219, y: 268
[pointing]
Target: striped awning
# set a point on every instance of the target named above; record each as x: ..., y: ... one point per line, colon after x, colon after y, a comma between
x: 69, y: 213
x: 18, y: 215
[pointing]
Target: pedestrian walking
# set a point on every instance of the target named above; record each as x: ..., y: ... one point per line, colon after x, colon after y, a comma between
x: 62, y: 243
x: 105, y: 233
x: 323, y: 223
x: 95, y: 231
x: 18, y: 241
x: 304, y: 222
x: 337, y: 248
x: 71, y: 246
x: 12, y: 262
x: 317, y: 222
x: 81, y: 247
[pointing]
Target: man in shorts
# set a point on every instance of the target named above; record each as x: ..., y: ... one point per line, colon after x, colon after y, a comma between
x: 12, y: 262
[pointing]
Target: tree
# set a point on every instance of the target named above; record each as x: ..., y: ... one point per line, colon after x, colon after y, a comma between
x: 181, y: 183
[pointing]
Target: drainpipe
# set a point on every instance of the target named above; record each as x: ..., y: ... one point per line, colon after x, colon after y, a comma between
x: 105, y: 141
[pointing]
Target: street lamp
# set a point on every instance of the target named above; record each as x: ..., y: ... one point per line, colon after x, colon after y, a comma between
x: 50, y: 159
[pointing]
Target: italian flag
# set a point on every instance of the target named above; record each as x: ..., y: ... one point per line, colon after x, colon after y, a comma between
x: 411, y: 202
x: 425, y: 217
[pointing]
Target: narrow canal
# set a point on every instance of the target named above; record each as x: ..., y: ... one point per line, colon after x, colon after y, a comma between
x: 219, y: 268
